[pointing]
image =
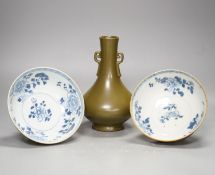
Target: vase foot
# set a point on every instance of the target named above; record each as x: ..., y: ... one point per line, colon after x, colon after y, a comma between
x: 105, y: 128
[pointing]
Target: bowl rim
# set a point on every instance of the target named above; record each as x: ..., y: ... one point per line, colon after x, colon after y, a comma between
x: 166, y: 71
x: 81, y: 98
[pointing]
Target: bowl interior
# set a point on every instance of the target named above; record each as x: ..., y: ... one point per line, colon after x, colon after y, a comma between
x: 45, y: 105
x: 169, y: 105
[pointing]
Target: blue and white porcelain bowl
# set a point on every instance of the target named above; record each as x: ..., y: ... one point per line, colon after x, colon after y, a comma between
x: 45, y: 105
x: 168, y: 105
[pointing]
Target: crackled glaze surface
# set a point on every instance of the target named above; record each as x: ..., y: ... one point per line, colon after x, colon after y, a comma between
x: 168, y: 105
x: 45, y: 105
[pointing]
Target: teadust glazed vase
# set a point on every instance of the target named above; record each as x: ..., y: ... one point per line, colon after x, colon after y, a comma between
x: 107, y: 101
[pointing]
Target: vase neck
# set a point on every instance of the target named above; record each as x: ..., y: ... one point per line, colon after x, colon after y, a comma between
x: 108, y: 65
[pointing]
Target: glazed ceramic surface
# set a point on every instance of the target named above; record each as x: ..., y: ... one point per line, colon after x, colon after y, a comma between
x: 168, y: 105
x: 107, y: 101
x: 45, y: 105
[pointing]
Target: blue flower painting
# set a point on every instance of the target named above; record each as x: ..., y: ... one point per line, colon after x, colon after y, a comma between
x: 143, y: 123
x: 27, y: 83
x: 194, y: 122
x: 171, y: 112
x: 40, y: 111
x: 68, y: 126
x: 176, y: 85
x: 19, y: 87
x: 71, y: 103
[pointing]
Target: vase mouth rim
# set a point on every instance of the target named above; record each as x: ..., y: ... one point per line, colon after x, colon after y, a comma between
x: 112, y: 37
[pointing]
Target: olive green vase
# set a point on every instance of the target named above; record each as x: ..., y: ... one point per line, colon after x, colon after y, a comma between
x: 107, y: 101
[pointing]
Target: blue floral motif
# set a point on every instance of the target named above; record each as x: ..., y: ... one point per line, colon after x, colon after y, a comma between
x: 137, y: 111
x: 37, y: 135
x: 171, y: 112
x: 40, y: 78
x: 146, y: 126
x: 37, y: 79
x: 145, y: 123
x: 71, y: 103
x: 175, y: 84
x: 20, y: 86
x: 194, y: 122
x: 27, y: 83
x: 68, y: 126
x: 39, y: 111
x: 28, y: 131
x: 151, y: 84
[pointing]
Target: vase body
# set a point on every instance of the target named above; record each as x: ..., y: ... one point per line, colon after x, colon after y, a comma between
x: 107, y: 101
